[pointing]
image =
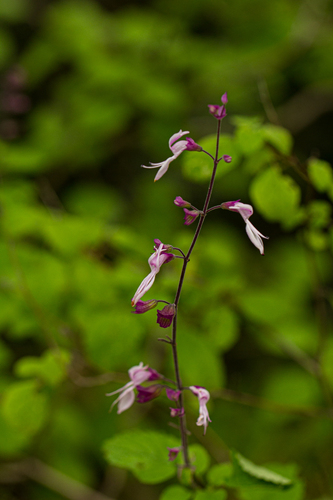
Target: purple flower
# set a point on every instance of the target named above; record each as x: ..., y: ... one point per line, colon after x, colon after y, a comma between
x: 246, y: 211
x: 219, y: 111
x: 165, y: 317
x: 155, y: 261
x: 143, y: 306
x: 203, y: 396
x: 181, y: 203
x: 190, y: 216
x: 173, y: 453
x: 177, y: 412
x: 227, y: 158
x: 192, y: 146
x: 172, y: 394
x: 177, y: 148
x: 146, y: 394
x: 137, y: 374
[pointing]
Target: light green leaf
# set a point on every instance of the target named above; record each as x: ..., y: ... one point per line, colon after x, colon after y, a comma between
x: 249, y: 134
x: 176, y: 493
x: 279, y: 137
x: 198, y: 166
x: 320, y: 173
x: 218, y: 474
x: 246, y: 473
x: 221, y: 325
x: 24, y: 408
x: 145, y: 453
x: 210, y: 495
x: 276, y: 196
x: 195, y: 353
x: 319, y: 213
x: 50, y: 367
x: 199, y: 458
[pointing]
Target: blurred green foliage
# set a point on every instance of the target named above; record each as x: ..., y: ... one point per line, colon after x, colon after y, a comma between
x: 89, y: 91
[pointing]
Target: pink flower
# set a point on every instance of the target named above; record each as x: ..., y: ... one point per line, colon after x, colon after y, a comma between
x: 219, y: 111
x: 137, y: 374
x: 165, y: 317
x: 155, y: 261
x: 177, y: 148
x: 143, y: 306
x: 146, y: 394
x: 246, y: 211
x: 173, y: 453
x: 177, y: 412
x: 190, y: 216
x: 203, y: 396
x: 181, y: 203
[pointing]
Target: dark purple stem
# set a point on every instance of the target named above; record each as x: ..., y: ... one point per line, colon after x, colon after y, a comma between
x: 183, y: 429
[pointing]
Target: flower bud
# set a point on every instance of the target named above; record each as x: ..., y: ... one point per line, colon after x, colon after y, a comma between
x: 143, y: 306
x: 165, y: 317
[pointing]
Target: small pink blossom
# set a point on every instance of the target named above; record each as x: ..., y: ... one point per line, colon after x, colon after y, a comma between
x: 177, y: 412
x: 219, y: 111
x: 173, y: 453
x: 190, y: 216
x: 155, y: 261
x: 146, y: 394
x: 181, y: 203
x: 203, y: 396
x: 143, y: 306
x: 246, y: 211
x: 177, y: 148
x: 172, y: 394
x: 137, y: 374
x: 165, y: 317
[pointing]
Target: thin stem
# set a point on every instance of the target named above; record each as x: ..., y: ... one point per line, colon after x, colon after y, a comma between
x: 183, y: 429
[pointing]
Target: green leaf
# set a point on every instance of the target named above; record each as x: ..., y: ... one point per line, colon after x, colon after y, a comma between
x: 198, y: 166
x: 194, y: 353
x: 199, y: 458
x: 319, y: 213
x: 320, y: 173
x: 24, y: 408
x: 145, y: 453
x: 221, y: 326
x: 264, y: 492
x: 246, y: 473
x: 210, y: 495
x: 276, y: 196
x: 249, y: 134
x: 176, y: 493
x: 218, y: 474
x: 50, y: 367
x: 279, y: 137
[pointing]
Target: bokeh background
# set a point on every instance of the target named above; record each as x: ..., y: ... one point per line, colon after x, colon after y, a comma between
x: 89, y: 91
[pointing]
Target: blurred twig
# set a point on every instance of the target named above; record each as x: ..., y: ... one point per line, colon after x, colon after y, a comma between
x: 33, y: 468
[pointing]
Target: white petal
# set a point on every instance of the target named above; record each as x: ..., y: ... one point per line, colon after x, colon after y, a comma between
x: 144, y: 286
x: 255, y: 236
x: 126, y: 400
x: 176, y: 136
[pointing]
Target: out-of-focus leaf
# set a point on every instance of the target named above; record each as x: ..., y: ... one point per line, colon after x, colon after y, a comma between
x: 320, y: 173
x: 199, y: 458
x: 176, y: 493
x: 50, y: 367
x: 194, y: 353
x: 218, y: 474
x: 210, y: 495
x: 246, y: 473
x: 145, y: 453
x: 279, y: 137
x: 249, y: 134
x: 24, y: 408
x: 319, y: 213
x: 277, y: 197
x: 198, y: 166
x: 221, y: 325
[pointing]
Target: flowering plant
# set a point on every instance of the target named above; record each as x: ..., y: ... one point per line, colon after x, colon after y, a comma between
x: 168, y: 315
